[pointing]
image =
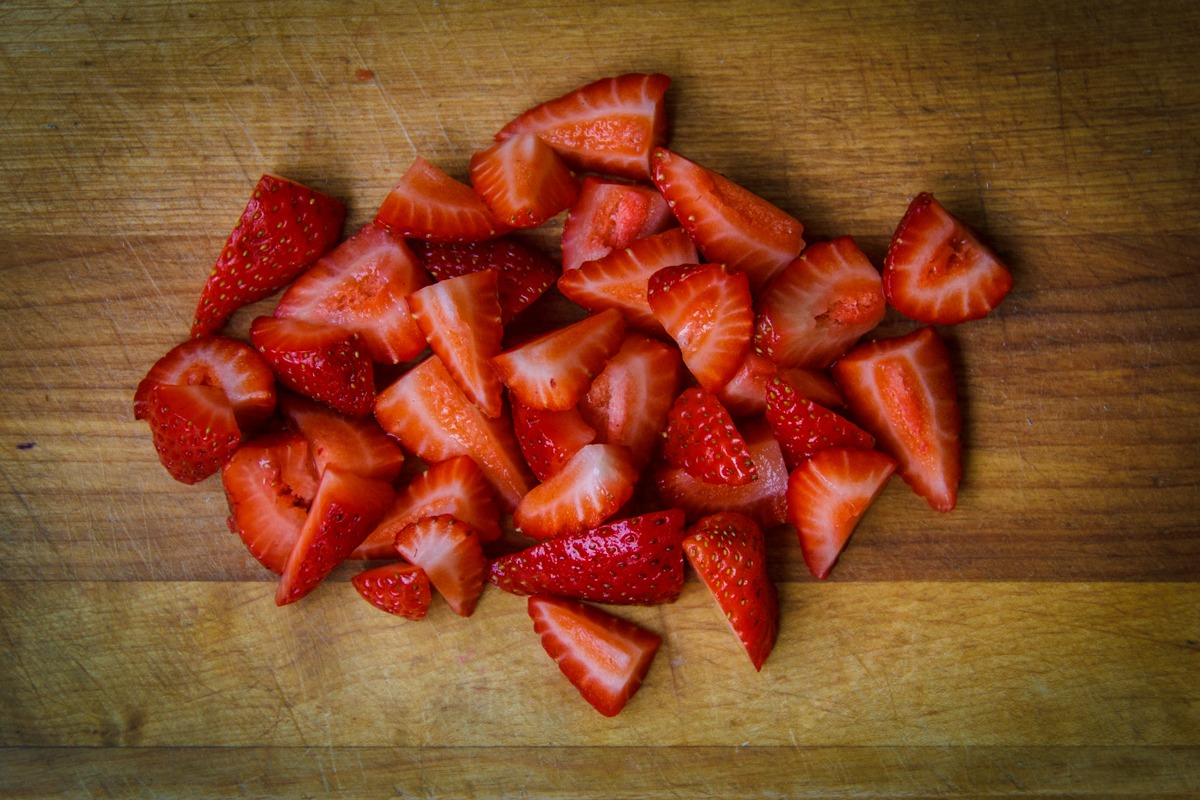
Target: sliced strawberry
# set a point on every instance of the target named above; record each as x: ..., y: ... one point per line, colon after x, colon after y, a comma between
x: 285, y: 227
x: 729, y: 553
x: 525, y: 272
x: 828, y: 495
x: 555, y: 369
x: 227, y: 364
x: 590, y: 488
x: 746, y: 393
x: 627, y: 403
x: 701, y: 439
x: 428, y: 204
x: 763, y: 500
x: 523, y: 181
x: 815, y: 384
x: 193, y: 428
x: 460, y: 318
x: 352, y: 444
x: 362, y: 285
x: 270, y: 484
x: 730, y: 224
x: 609, y: 215
x: 432, y: 418
x: 345, y: 508
x: 449, y: 552
x: 819, y: 305
x: 608, y: 126
x: 902, y: 391
x: 937, y: 271
x: 456, y: 487
x: 604, y: 657
x: 707, y: 310
x: 618, y: 280
x: 548, y: 439
x: 399, y: 588
x: 321, y: 362
x: 803, y: 427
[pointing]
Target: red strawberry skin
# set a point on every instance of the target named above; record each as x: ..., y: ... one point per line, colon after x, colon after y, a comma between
x: 429, y: 205
x: 321, y: 362
x: 632, y: 561
x: 803, y: 427
x: 399, y: 589
x: 610, y: 215
x: 285, y: 227
x: 548, y: 439
x: 193, y: 428
x: 525, y: 273
x: 702, y: 439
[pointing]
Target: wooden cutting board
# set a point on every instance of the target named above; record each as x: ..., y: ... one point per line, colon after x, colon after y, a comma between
x: 1041, y: 639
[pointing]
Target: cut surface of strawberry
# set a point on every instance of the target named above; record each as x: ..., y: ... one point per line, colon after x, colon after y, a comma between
x: 604, y: 657
x: 193, y: 429
x: 702, y: 440
x: 729, y: 553
x: 523, y: 181
x: 903, y: 391
x: 450, y: 553
x: 352, y: 444
x: 610, y: 125
x: 937, y: 271
x: 285, y: 227
x: 400, y: 589
x: 548, y: 439
x: 525, y: 272
x: 586, y: 491
x: 428, y: 204
x: 827, y: 496
x: 634, y: 561
x: 729, y: 223
x: 321, y: 362
x: 362, y: 285
x: 819, y: 305
x: 609, y: 215
x: 804, y: 427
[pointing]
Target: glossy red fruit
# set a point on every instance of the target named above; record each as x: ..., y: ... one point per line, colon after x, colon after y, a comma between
x: 428, y: 204
x: 193, y: 428
x: 610, y: 215
x: 321, y: 362
x: 586, y: 491
x: 523, y: 181
x: 399, y: 588
x: 548, y: 439
x: 525, y: 272
x: 702, y: 440
x: 449, y: 552
x: 352, y: 444
x: 804, y: 427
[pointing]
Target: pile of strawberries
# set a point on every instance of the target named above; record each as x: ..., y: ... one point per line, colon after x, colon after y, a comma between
x: 715, y: 383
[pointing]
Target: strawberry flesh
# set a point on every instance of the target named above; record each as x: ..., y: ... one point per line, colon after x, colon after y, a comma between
x: 525, y: 272
x: 428, y: 204
x: 449, y: 552
x: 590, y: 488
x: 609, y: 215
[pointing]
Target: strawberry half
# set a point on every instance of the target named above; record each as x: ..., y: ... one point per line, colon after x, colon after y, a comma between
x: 746, y: 393
x: 636, y: 561
x: 707, y: 310
x: 428, y: 204
x: 321, y: 362
x: 827, y: 496
x: 937, y: 271
x: 523, y: 181
x: 362, y: 285
x: 803, y: 427
x: 730, y: 224
x: 548, y: 439
x: 819, y: 305
x: 193, y: 428
x: 701, y: 439
x: 399, y: 588
x: 608, y: 126
x: 604, y: 657
x: 902, y: 391
x: 590, y: 488
x: 609, y: 215
x: 285, y: 227
x: 729, y: 553
x: 352, y: 444
x: 449, y: 552
x: 525, y: 272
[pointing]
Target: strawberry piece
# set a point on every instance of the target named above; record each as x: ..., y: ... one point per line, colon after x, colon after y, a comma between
x: 627, y: 403
x: 728, y: 551
x: 609, y: 126
x: 707, y: 310
x: 523, y: 181
x: 269, y: 485
x: 343, y: 511
x: 819, y: 305
x: 636, y: 561
x: 227, y: 364
x: 427, y: 411
x: 193, y: 428
x: 618, y: 280
x: 352, y: 444
x: 525, y: 272
x: 701, y: 439
x: 428, y: 204
x: 604, y: 657
x: 746, y: 393
x: 827, y: 496
x: 460, y: 318
x: 730, y: 224
x: 548, y: 439
x: 321, y: 362
x: 554, y: 370
x: 609, y: 215
x: 362, y: 285
x: 803, y: 427
x: 449, y: 552
x: 285, y: 227
x: 902, y: 391
x: 937, y: 271
x: 763, y: 500
x: 400, y: 589
x: 590, y: 488
x: 456, y: 487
